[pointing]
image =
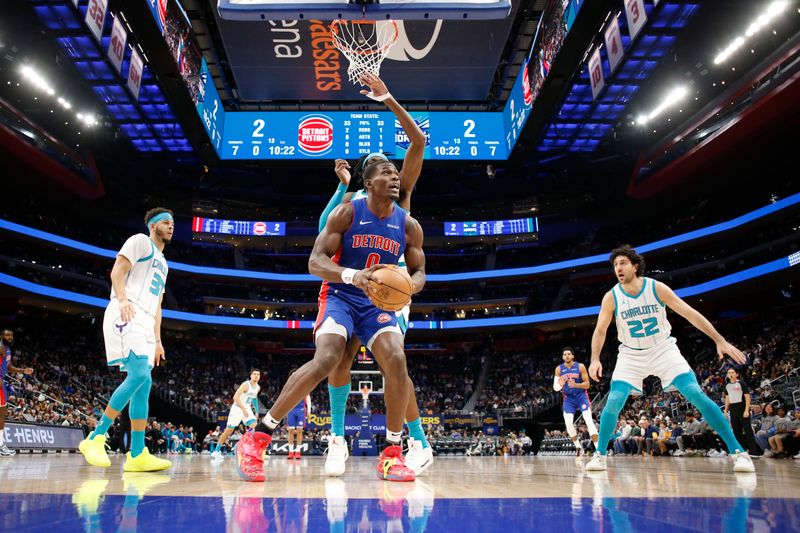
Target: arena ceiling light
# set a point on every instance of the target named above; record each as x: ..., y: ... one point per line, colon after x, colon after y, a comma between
x: 674, y: 96
x: 772, y: 11
x: 30, y: 74
x: 87, y: 118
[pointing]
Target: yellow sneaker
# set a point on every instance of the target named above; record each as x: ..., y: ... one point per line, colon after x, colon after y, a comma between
x: 87, y: 498
x: 140, y: 483
x: 94, y: 451
x: 144, y: 462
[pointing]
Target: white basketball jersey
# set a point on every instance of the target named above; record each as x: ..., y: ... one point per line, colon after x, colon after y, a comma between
x: 148, y: 275
x: 641, y: 318
x: 358, y: 195
x: 250, y: 394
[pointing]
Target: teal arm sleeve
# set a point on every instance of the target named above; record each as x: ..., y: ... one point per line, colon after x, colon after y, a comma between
x: 336, y: 199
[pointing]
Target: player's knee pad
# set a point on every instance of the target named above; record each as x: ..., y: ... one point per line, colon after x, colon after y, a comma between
x: 569, y: 421
x: 587, y: 417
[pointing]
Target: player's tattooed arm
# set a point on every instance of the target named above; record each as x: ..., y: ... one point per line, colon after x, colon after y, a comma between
x: 415, y: 257
x: 599, y: 335
x: 119, y: 273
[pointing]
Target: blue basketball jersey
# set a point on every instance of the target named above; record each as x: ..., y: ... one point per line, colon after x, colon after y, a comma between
x: 575, y: 374
x: 5, y: 360
x: 369, y: 241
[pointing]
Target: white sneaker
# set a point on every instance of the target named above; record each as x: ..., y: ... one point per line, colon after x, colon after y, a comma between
x: 418, y: 458
x: 337, y: 456
x: 217, y: 455
x: 677, y: 453
x: 797, y: 456
x: 598, y: 463
x: 712, y: 453
x: 336, y: 499
x: 768, y: 454
x: 742, y: 462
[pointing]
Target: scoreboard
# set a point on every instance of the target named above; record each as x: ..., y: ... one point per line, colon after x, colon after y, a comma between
x: 343, y: 134
x: 238, y: 227
x: 492, y: 227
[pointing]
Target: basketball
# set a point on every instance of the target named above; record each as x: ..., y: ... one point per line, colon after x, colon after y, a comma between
x: 394, y: 291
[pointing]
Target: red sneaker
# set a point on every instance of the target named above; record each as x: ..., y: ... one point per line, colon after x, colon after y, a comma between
x: 391, y: 466
x: 250, y: 455
x: 290, y: 456
x: 297, y: 455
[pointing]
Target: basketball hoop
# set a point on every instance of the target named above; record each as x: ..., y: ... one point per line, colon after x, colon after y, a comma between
x: 365, y: 393
x: 365, y: 43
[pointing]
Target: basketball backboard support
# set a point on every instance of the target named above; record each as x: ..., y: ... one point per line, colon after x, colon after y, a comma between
x: 383, y: 10
x: 359, y: 378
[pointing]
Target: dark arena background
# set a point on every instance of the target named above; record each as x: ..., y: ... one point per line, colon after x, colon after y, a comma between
x: 549, y: 133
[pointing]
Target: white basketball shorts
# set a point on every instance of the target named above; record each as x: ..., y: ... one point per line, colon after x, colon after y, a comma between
x: 121, y: 338
x: 237, y: 416
x: 663, y: 360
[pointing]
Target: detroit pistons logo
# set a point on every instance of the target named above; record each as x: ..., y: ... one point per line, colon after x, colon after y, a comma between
x: 259, y: 228
x: 383, y: 318
x: 527, y: 95
x: 315, y: 135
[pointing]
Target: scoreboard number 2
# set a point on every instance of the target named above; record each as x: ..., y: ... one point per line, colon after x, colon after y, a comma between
x: 470, y: 125
x: 258, y: 124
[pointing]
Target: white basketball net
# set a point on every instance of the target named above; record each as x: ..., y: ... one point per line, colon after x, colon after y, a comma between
x: 365, y: 43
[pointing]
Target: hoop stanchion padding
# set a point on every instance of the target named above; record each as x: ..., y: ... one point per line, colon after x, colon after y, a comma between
x: 385, y: 10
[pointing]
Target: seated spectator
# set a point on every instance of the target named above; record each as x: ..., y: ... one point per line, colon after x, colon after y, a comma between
x: 767, y: 429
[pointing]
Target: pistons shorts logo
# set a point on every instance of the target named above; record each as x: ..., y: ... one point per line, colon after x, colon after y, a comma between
x: 584, y: 407
x: 383, y: 318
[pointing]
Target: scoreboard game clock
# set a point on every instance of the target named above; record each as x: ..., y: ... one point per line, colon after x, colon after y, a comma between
x: 247, y: 228
x: 344, y: 134
x: 514, y: 226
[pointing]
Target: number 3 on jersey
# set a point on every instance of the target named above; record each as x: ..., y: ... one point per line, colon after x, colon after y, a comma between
x: 372, y: 260
x: 157, y: 285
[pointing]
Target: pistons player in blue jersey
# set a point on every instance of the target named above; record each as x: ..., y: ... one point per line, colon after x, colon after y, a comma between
x: 6, y: 342
x: 572, y: 380
x: 359, y: 238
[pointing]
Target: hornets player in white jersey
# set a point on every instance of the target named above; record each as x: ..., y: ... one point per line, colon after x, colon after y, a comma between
x: 244, y: 409
x: 420, y: 454
x: 132, y: 334
x: 639, y: 307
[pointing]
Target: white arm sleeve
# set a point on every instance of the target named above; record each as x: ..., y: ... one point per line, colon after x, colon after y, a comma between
x: 556, y: 385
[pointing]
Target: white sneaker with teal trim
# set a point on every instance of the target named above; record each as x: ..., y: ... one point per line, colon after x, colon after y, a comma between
x: 338, y: 453
x: 418, y: 459
x: 598, y: 463
x: 742, y: 462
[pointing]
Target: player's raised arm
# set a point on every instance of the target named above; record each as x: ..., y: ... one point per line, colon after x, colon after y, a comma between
x: 415, y: 257
x: 412, y: 163
x: 671, y: 300
x: 342, y: 169
x: 599, y: 335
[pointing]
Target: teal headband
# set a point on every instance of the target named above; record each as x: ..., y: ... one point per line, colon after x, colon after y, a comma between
x: 159, y: 217
x: 370, y: 156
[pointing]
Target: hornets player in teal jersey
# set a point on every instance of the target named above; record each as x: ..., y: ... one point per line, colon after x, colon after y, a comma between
x: 420, y: 454
x: 132, y: 334
x: 639, y: 307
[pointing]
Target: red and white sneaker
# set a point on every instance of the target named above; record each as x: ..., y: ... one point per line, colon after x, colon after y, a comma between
x: 391, y: 466
x: 250, y: 455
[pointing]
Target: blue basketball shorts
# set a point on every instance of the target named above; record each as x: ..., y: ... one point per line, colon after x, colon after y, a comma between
x: 345, y: 314
x: 576, y: 403
x: 296, y: 419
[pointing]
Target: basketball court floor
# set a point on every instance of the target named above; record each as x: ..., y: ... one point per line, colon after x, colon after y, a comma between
x: 61, y: 493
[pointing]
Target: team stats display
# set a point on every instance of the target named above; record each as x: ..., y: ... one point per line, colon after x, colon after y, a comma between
x: 492, y: 227
x: 343, y: 134
x: 238, y: 227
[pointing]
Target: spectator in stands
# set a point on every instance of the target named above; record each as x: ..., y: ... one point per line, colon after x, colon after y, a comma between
x: 664, y: 435
x: 767, y: 429
x: 784, y: 426
x: 155, y: 439
x: 621, y: 442
x: 691, y: 437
